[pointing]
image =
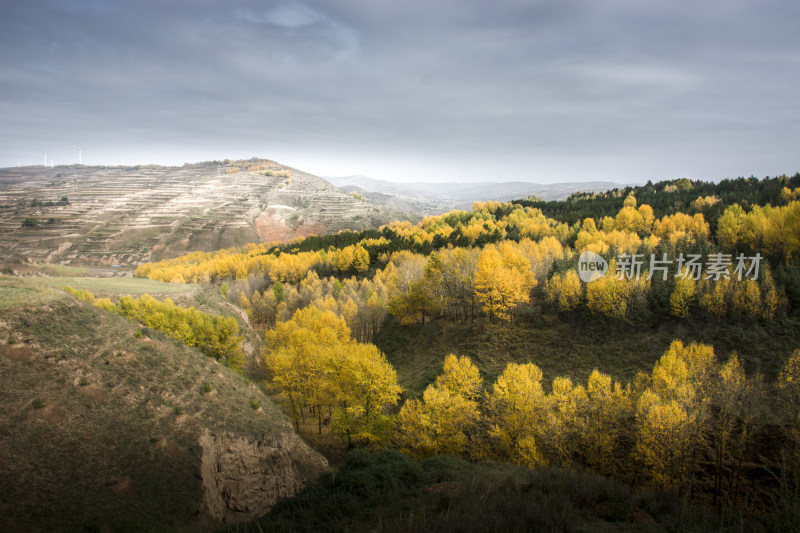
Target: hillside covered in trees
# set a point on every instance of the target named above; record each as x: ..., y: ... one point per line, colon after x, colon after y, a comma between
x: 697, y: 260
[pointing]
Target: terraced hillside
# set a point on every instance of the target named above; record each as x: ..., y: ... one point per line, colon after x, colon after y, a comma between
x: 127, y: 215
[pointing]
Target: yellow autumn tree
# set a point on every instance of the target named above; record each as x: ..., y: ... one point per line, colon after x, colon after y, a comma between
x: 365, y: 385
x: 563, y: 429
x: 438, y: 423
x: 609, y: 295
x: 746, y: 300
x: 603, y: 422
x: 682, y: 297
x: 552, y: 289
x: 405, y: 283
x: 517, y: 408
x: 460, y: 376
x: 343, y: 259
x: 571, y: 292
x: 503, y: 280
x: 672, y: 414
x: 316, y: 364
x: 663, y: 439
x: 361, y: 259
x: 714, y: 299
x: 300, y: 353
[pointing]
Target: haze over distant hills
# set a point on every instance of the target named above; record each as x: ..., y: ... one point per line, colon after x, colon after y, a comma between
x: 435, y: 198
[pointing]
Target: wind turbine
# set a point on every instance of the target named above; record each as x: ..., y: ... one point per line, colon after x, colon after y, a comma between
x: 79, y: 156
x: 45, y: 159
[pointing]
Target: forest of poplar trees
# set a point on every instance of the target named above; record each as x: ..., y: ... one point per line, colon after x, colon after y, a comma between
x: 694, y: 421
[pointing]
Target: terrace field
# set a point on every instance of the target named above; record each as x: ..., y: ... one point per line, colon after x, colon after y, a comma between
x: 83, y: 215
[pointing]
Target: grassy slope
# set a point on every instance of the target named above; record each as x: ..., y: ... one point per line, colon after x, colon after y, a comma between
x: 575, y: 347
x: 99, y: 428
x: 112, y: 285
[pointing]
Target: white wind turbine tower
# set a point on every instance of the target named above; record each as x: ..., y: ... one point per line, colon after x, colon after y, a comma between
x: 45, y: 159
x: 79, y: 156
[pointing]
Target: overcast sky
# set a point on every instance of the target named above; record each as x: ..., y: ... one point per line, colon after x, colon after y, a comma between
x: 544, y: 91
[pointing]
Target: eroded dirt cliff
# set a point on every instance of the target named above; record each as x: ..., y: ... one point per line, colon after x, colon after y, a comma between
x: 243, y: 476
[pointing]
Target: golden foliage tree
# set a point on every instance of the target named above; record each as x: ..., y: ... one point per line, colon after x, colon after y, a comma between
x: 604, y: 420
x: 571, y: 293
x: 682, y: 297
x: 438, y: 423
x: 672, y: 414
x: 406, y: 285
x: 365, y: 384
x: 563, y: 435
x: 316, y: 364
x: 360, y: 259
x: 503, y: 280
x: 517, y: 408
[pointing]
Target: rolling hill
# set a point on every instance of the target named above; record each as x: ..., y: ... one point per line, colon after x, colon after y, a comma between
x: 128, y: 215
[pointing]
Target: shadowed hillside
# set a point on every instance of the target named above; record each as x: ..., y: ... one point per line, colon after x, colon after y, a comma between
x: 107, y: 426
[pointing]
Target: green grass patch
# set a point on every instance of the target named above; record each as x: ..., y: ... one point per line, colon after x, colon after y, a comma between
x: 114, y: 285
x: 16, y: 293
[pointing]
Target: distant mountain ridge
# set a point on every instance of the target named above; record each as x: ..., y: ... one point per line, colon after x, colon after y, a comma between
x: 434, y: 198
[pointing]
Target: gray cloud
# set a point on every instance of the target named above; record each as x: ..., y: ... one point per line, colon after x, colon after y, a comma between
x: 544, y: 90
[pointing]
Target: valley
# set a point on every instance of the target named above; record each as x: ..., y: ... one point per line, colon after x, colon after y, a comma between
x: 249, y: 387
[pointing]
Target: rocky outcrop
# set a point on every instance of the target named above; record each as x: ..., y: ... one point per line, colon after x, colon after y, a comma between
x: 243, y: 476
